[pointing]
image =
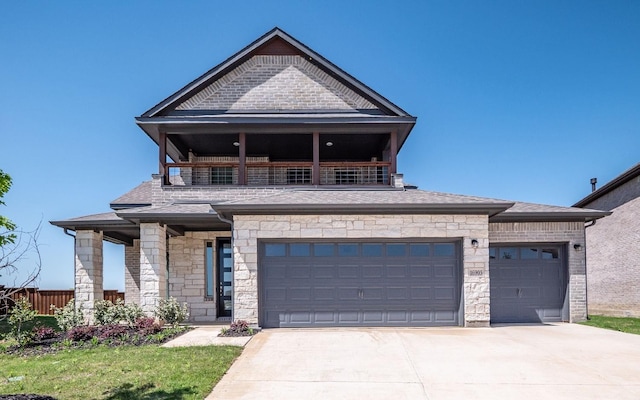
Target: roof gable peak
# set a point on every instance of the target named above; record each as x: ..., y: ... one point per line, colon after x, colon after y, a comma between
x: 275, y: 42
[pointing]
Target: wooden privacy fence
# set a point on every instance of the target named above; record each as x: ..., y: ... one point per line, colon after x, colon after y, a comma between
x: 41, y: 300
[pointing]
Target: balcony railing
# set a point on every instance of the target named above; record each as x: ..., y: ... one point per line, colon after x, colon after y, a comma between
x: 279, y: 173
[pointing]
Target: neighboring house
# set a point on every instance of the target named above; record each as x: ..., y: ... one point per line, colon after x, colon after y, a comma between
x: 283, y: 207
x: 613, y: 257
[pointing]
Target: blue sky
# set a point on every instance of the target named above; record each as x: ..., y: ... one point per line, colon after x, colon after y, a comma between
x: 515, y: 100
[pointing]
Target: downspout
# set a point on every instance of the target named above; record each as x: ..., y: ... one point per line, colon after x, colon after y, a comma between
x: 586, y: 279
x: 233, y: 285
x: 66, y: 232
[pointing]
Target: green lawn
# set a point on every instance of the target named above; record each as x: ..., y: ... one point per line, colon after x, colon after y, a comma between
x: 147, y: 372
x: 46, y: 320
x: 627, y: 325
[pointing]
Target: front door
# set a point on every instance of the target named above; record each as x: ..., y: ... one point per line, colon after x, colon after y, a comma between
x: 225, y: 265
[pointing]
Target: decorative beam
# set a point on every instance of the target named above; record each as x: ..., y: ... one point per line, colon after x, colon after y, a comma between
x: 242, y: 157
x: 315, y: 171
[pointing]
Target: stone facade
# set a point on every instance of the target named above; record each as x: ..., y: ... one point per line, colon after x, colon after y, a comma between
x: 613, y: 254
x: 88, y: 271
x: 132, y: 273
x: 553, y: 232
x: 276, y: 83
x: 153, y: 265
x: 187, y: 273
x: 248, y: 229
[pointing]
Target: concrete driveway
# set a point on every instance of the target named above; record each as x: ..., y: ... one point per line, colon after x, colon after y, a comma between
x: 563, y: 361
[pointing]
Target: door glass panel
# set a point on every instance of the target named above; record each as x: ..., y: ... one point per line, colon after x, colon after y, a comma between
x: 443, y: 249
x: 323, y: 250
x: 299, y: 250
x: 275, y: 249
x: 548, y: 254
x: 396, y: 250
x: 347, y: 250
x: 372, y: 250
x: 419, y: 250
x: 528, y: 254
x: 493, y: 252
x: 225, y: 278
x: 508, y: 253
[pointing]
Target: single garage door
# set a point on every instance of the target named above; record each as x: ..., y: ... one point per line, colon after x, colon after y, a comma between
x: 311, y: 284
x: 528, y: 283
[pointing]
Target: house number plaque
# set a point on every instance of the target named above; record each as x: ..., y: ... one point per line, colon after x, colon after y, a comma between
x: 476, y: 272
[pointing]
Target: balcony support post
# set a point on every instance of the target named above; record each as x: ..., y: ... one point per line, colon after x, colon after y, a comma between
x: 242, y: 159
x: 162, y: 157
x: 394, y: 152
x: 315, y: 171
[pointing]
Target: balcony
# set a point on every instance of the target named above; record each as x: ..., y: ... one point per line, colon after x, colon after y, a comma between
x: 261, y: 173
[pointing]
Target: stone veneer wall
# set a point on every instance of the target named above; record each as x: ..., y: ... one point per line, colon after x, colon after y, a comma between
x: 248, y: 229
x: 88, y: 271
x: 187, y: 273
x: 613, y: 262
x: 153, y: 265
x: 132, y: 273
x: 169, y: 194
x: 553, y: 232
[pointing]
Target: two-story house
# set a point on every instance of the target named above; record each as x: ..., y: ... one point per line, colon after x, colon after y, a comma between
x: 277, y: 201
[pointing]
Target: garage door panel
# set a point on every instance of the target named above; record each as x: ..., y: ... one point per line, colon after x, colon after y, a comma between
x: 348, y: 271
x: 359, y: 284
x: 372, y: 271
x: 420, y: 271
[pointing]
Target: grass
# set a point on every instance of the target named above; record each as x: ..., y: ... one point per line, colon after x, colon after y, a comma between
x: 627, y: 325
x: 46, y: 320
x: 146, y: 372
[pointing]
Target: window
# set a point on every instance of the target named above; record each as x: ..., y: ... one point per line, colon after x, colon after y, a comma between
x: 208, y: 270
x: 396, y: 250
x: 443, y: 249
x: 222, y: 175
x: 275, y: 249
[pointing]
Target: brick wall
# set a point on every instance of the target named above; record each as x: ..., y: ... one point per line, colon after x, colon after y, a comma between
x: 552, y: 232
x: 613, y: 261
x: 627, y: 192
x: 276, y: 83
x: 187, y: 273
x: 248, y: 229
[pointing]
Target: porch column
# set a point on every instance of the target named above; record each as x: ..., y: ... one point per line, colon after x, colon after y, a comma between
x: 132, y: 273
x: 315, y: 172
x: 153, y: 265
x: 393, y: 157
x: 242, y: 159
x: 162, y: 157
x: 88, y: 271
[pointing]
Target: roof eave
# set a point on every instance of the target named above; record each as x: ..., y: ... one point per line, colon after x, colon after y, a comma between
x: 548, y: 216
x: 618, y: 181
x: 294, y: 209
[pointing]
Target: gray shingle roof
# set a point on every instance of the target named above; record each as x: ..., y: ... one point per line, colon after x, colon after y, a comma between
x: 613, y: 184
x: 138, y: 196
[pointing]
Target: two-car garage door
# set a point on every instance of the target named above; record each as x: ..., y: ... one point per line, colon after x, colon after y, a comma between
x: 312, y: 284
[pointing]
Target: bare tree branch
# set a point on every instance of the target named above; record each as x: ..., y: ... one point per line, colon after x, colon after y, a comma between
x: 20, y: 265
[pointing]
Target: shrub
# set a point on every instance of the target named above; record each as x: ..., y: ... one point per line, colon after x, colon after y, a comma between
x: 68, y: 317
x: 238, y: 328
x: 43, y: 332
x: 147, y: 326
x: 82, y: 333
x: 18, y: 316
x: 170, y: 311
x: 113, y: 331
x: 107, y: 313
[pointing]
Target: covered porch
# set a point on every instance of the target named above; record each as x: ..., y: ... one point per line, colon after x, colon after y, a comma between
x: 148, y: 235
